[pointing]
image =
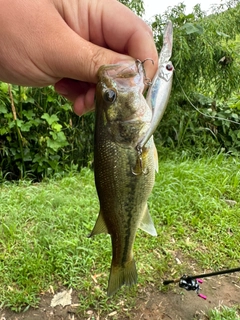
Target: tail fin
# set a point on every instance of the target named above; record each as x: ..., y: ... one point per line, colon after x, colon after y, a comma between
x: 121, y: 275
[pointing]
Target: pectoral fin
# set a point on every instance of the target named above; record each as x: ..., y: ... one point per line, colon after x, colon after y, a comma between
x: 147, y: 223
x: 100, y: 226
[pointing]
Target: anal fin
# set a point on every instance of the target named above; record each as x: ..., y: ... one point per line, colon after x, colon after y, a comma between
x: 100, y: 226
x: 147, y: 223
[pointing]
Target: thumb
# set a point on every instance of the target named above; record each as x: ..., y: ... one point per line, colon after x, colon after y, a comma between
x: 76, y: 58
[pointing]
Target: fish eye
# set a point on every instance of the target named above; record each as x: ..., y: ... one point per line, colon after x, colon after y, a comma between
x: 109, y: 95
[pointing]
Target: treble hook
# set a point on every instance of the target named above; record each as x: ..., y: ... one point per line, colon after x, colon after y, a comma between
x: 147, y: 81
x: 140, y: 163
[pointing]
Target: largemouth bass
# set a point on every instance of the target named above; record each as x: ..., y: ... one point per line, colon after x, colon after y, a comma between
x: 124, y: 172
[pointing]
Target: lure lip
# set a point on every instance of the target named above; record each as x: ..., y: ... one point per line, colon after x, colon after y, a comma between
x: 166, y: 51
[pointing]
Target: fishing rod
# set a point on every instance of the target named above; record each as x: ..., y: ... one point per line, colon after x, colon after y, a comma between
x: 192, y: 283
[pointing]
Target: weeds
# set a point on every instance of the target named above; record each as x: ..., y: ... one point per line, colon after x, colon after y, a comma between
x: 224, y: 313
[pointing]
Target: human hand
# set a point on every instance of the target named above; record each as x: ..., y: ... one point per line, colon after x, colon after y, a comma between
x: 65, y: 42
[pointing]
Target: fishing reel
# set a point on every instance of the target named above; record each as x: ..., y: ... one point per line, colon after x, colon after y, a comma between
x: 191, y: 284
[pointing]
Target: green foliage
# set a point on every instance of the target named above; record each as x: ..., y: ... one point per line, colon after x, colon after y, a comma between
x: 205, y: 52
x: 202, y: 125
x: 39, y: 133
x: 206, y: 79
x: 224, y: 313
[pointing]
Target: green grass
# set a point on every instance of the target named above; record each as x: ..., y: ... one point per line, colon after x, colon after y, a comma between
x: 224, y: 313
x: 44, y: 228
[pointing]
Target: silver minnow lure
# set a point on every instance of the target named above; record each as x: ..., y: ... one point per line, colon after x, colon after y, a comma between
x: 159, y: 92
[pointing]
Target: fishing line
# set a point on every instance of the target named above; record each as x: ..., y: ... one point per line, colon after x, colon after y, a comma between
x: 202, y: 113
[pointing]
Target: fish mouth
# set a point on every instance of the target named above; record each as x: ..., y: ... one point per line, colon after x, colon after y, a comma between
x: 123, y: 70
x: 124, y: 74
x: 127, y: 72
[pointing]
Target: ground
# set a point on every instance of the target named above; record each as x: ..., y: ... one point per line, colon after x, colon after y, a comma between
x: 175, y: 304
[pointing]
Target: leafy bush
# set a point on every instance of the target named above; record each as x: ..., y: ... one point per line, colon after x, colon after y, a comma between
x: 202, y: 125
x: 205, y: 50
x: 205, y: 95
x: 39, y: 133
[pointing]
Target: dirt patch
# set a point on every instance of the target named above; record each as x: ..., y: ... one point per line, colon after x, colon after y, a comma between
x: 186, y: 305
x: 176, y: 304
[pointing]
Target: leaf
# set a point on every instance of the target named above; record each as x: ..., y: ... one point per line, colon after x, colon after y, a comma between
x: 191, y: 28
x: 66, y: 107
x: 53, y: 144
x: 50, y: 119
x: 29, y: 114
x: 63, y: 298
x: 4, y: 87
x: 222, y: 34
x: 234, y: 115
x: 190, y: 16
x: 237, y: 105
x: 3, y: 109
x: 56, y: 126
x: 19, y: 123
x: 59, y: 140
x: 26, y: 126
x: 51, y: 99
x: 3, y: 131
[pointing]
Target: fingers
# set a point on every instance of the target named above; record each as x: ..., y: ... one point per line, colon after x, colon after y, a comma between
x: 84, y: 103
x: 77, y: 58
x: 103, y: 38
x: 81, y: 93
x: 127, y: 33
x: 48, y: 40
